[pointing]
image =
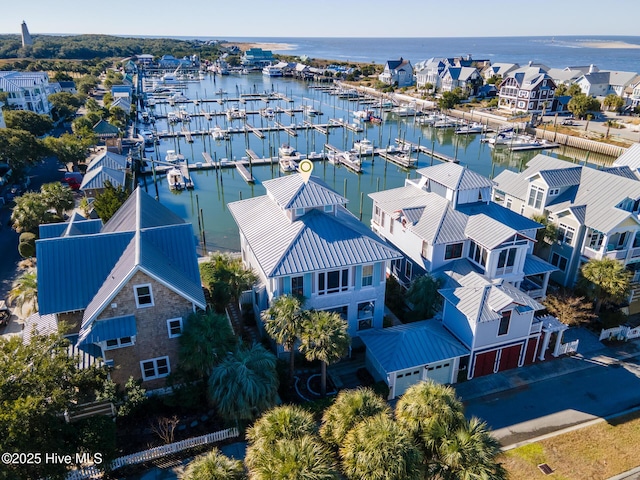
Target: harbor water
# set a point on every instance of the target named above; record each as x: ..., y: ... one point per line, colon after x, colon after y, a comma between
x: 206, y: 205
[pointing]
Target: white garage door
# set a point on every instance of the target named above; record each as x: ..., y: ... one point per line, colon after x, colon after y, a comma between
x: 440, y: 373
x: 405, y: 379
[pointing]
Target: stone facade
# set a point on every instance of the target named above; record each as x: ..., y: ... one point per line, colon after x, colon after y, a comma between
x: 152, y: 339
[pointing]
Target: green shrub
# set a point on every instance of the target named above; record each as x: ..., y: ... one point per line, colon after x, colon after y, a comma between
x: 27, y: 250
x: 27, y: 237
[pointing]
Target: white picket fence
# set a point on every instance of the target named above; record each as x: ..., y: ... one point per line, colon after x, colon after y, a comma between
x: 90, y: 473
x: 570, y: 347
x: 620, y: 333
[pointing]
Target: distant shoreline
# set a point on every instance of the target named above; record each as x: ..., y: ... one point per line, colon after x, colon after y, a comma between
x: 608, y: 44
x: 263, y: 45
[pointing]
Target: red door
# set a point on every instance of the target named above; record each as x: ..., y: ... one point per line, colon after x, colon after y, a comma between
x: 510, y: 357
x: 530, y: 356
x: 484, y: 363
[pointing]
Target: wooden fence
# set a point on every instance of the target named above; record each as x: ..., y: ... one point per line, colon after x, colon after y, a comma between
x: 88, y: 473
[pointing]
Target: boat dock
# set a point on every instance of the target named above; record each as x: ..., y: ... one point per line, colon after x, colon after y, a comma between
x: 244, y: 173
x: 402, y: 159
x: 290, y: 131
x: 254, y: 130
x: 349, y: 126
x: 318, y: 127
x: 343, y: 158
x: 423, y: 149
x: 187, y: 134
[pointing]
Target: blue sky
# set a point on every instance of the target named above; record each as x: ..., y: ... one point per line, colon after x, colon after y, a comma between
x: 328, y: 18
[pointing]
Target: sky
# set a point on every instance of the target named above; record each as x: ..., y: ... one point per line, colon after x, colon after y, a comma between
x: 328, y: 18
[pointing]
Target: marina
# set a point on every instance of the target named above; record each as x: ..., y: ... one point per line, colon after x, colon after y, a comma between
x: 227, y: 151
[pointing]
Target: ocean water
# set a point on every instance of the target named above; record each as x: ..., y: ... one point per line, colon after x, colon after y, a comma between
x: 555, y: 52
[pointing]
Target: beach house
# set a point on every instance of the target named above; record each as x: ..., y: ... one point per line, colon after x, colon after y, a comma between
x: 123, y: 290
x: 26, y: 90
x: 530, y: 89
x: 300, y: 239
x: 397, y: 72
x: 595, y: 211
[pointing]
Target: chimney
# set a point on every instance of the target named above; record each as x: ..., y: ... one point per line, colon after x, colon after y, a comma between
x: 592, y: 68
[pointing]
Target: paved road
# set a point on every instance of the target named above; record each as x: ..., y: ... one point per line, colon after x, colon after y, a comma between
x: 559, y: 402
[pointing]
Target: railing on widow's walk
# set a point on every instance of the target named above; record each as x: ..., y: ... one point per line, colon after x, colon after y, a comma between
x: 91, y: 472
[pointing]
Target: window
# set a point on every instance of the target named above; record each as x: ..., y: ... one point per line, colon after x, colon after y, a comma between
x: 559, y: 261
x: 155, y: 368
x: 299, y: 212
x: 508, y: 203
x: 565, y: 234
x: 554, y: 191
x: 382, y: 219
x: 408, y: 267
x: 453, y: 250
x: 391, y: 222
x: 297, y: 286
x: 118, y: 343
x: 595, y: 240
x: 174, y: 327
x: 334, y: 281
x: 503, y: 328
x: 477, y: 254
x: 144, y: 296
x: 365, y: 315
x: 367, y: 275
x: 328, y: 208
x: 535, y: 197
x: 507, y: 257
x: 376, y: 214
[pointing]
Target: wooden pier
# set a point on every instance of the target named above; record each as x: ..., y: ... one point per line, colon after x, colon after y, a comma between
x: 423, y: 149
x: 187, y: 134
x: 402, y: 159
x: 254, y: 130
x: 244, y: 173
x: 315, y: 126
x: 290, y: 131
x: 349, y: 126
x: 343, y: 158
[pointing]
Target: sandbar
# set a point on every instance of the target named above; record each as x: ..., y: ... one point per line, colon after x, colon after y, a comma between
x: 263, y: 45
x: 608, y: 44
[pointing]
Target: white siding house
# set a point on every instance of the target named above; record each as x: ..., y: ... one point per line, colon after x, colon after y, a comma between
x: 397, y: 72
x: 26, y: 90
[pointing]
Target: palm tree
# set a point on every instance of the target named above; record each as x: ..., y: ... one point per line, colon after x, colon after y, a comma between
x: 608, y: 280
x: 214, y: 466
x: 24, y: 293
x: 206, y: 339
x: 469, y: 452
x: 245, y: 383
x: 380, y: 448
x: 302, y: 458
x: 58, y: 197
x: 425, y: 409
x: 348, y: 410
x: 283, y: 322
x: 283, y: 422
x: 324, y: 337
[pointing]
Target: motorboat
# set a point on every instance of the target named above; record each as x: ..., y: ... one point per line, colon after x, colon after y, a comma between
x: 235, y: 113
x: 351, y: 93
x: 363, y: 147
x: 288, y: 164
x: 287, y: 150
x: 348, y: 159
x: 471, y: 128
x: 272, y: 71
x: 148, y: 137
x: 268, y: 113
x: 176, y: 179
x: 173, y: 157
x: 405, y: 111
x: 310, y: 111
x: 218, y: 133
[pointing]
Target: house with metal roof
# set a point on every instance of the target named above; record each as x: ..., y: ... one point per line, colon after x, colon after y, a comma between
x: 594, y: 210
x: 447, y: 216
x: 300, y: 239
x: 397, y: 72
x: 466, y: 78
x: 630, y: 158
x: 499, y: 70
x: 26, y: 90
x: 497, y: 323
x: 126, y: 288
x: 604, y: 82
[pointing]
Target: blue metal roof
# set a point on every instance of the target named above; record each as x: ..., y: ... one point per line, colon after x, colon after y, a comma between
x: 108, y: 329
x: 72, y: 269
x: 77, y: 225
x: 412, y: 345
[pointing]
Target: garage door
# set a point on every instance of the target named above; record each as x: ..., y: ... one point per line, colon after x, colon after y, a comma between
x: 509, y: 358
x: 405, y: 379
x: 440, y: 373
x: 531, y: 351
x: 484, y: 363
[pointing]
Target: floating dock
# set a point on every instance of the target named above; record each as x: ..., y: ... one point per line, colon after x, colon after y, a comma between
x: 343, y: 158
x: 423, y: 149
x: 244, y: 173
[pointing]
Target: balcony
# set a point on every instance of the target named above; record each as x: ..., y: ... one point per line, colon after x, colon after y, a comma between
x: 616, y: 254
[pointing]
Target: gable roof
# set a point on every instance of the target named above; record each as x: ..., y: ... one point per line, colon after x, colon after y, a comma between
x: 96, y: 178
x: 455, y: 176
x: 412, y: 345
x: 398, y: 64
x: 109, y: 160
x: 105, y: 129
x: 600, y: 211
x: 561, y: 177
x: 80, y: 272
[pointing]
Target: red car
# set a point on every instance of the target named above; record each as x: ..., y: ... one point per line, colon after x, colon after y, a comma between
x: 73, y: 179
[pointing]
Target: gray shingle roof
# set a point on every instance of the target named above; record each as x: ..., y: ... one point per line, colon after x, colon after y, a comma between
x: 455, y: 176
x: 416, y: 344
x: 315, y: 241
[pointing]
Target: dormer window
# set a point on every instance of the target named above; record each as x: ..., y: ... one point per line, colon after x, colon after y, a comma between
x: 554, y: 191
x: 535, y: 197
x: 299, y: 212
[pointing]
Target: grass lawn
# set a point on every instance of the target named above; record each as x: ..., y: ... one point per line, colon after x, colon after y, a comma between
x: 592, y: 453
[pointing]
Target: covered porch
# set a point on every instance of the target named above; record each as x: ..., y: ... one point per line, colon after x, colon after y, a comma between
x: 550, y: 325
x: 536, y: 277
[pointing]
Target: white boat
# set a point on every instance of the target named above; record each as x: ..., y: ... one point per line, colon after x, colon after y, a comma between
x: 363, y: 147
x: 429, y: 119
x: 287, y: 150
x: 310, y: 111
x: 351, y: 93
x: 501, y: 138
x: 348, y: 159
x: 287, y: 164
x: 235, y: 113
x: 404, y: 111
x: 173, y: 157
x: 475, y: 127
x: 176, y: 179
x: 178, y: 97
x: 445, y: 123
x: 272, y: 71
x: 218, y: 133
x: 268, y: 112
x: 363, y: 114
